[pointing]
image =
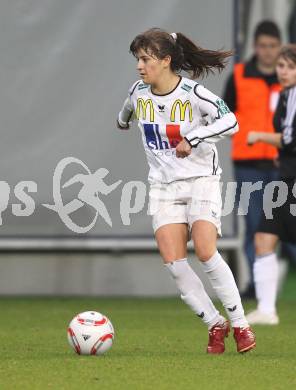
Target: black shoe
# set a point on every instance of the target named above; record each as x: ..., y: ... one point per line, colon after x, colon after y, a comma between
x: 249, y: 293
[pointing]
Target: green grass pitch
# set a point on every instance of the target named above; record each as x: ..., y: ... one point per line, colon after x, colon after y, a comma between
x: 158, y: 344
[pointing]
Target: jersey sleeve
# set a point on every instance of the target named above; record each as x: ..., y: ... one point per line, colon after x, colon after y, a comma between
x: 222, y: 122
x: 288, y: 140
x: 283, y: 115
x: 125, y: 115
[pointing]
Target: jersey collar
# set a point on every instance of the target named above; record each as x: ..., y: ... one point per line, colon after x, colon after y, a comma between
x: 166, y: 94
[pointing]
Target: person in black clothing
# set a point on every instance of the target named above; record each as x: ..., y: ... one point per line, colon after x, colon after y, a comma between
x: 252, y: 94
x: 283, y: 224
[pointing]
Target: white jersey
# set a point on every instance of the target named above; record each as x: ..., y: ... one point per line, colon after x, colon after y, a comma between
x: 189, y: 111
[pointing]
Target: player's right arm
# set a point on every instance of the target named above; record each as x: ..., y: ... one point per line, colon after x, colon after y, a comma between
x: 125, y: 116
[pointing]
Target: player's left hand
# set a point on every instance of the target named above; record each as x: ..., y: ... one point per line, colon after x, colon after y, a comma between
x: 183, y: 149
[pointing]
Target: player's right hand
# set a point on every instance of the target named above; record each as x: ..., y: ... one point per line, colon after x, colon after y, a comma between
x: 119, y: 126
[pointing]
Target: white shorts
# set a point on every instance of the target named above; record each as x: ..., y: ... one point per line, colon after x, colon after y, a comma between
x: 186, y: 201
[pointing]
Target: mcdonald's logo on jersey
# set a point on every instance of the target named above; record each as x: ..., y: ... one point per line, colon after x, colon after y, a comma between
x: 156, y: 140
x: 182, y: 110
x: 142, y: 108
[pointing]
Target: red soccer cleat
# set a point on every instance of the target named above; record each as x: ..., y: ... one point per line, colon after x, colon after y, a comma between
x: 245, y: 339
x: 217, y: 335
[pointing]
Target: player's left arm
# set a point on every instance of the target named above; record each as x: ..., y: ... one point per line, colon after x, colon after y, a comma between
x: 223, y: 121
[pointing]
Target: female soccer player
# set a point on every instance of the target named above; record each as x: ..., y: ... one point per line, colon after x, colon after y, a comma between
x: 283, y: 224
x: 180, y: 122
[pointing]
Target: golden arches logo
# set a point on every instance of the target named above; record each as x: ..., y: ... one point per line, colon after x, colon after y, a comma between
x: 142, y: 106
x: 182, y: 109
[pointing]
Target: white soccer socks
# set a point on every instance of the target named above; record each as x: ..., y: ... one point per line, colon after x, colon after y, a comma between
x: 193, y: 292
x: 223, y: 283
x: 266, y: 271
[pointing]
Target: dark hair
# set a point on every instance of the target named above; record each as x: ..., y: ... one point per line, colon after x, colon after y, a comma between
x: 288, y: 52
x: 267, y: 27
x: 185, y: 55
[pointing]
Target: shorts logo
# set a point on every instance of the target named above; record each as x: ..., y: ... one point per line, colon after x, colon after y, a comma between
x: 156, y: 141
x: 182, y: 110
x: 214, y: 214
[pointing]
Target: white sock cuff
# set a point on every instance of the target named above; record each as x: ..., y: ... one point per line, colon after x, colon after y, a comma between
x: 177, y: 266
x: 266, y: 258
x: 212, y: 263
x: 265, y: 267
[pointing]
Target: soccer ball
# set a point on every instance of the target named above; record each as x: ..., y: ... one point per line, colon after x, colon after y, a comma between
x: 90, y: 333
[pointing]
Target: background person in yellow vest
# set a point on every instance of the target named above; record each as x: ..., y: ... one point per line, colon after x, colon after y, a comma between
x: 252, y: 92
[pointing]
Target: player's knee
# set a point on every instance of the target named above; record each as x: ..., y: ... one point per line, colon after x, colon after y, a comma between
x: 262, y: 244
x: 204, y: 250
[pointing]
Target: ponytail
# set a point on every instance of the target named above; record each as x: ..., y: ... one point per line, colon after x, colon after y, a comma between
x: 185, y: 55
x: 198, y: 61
